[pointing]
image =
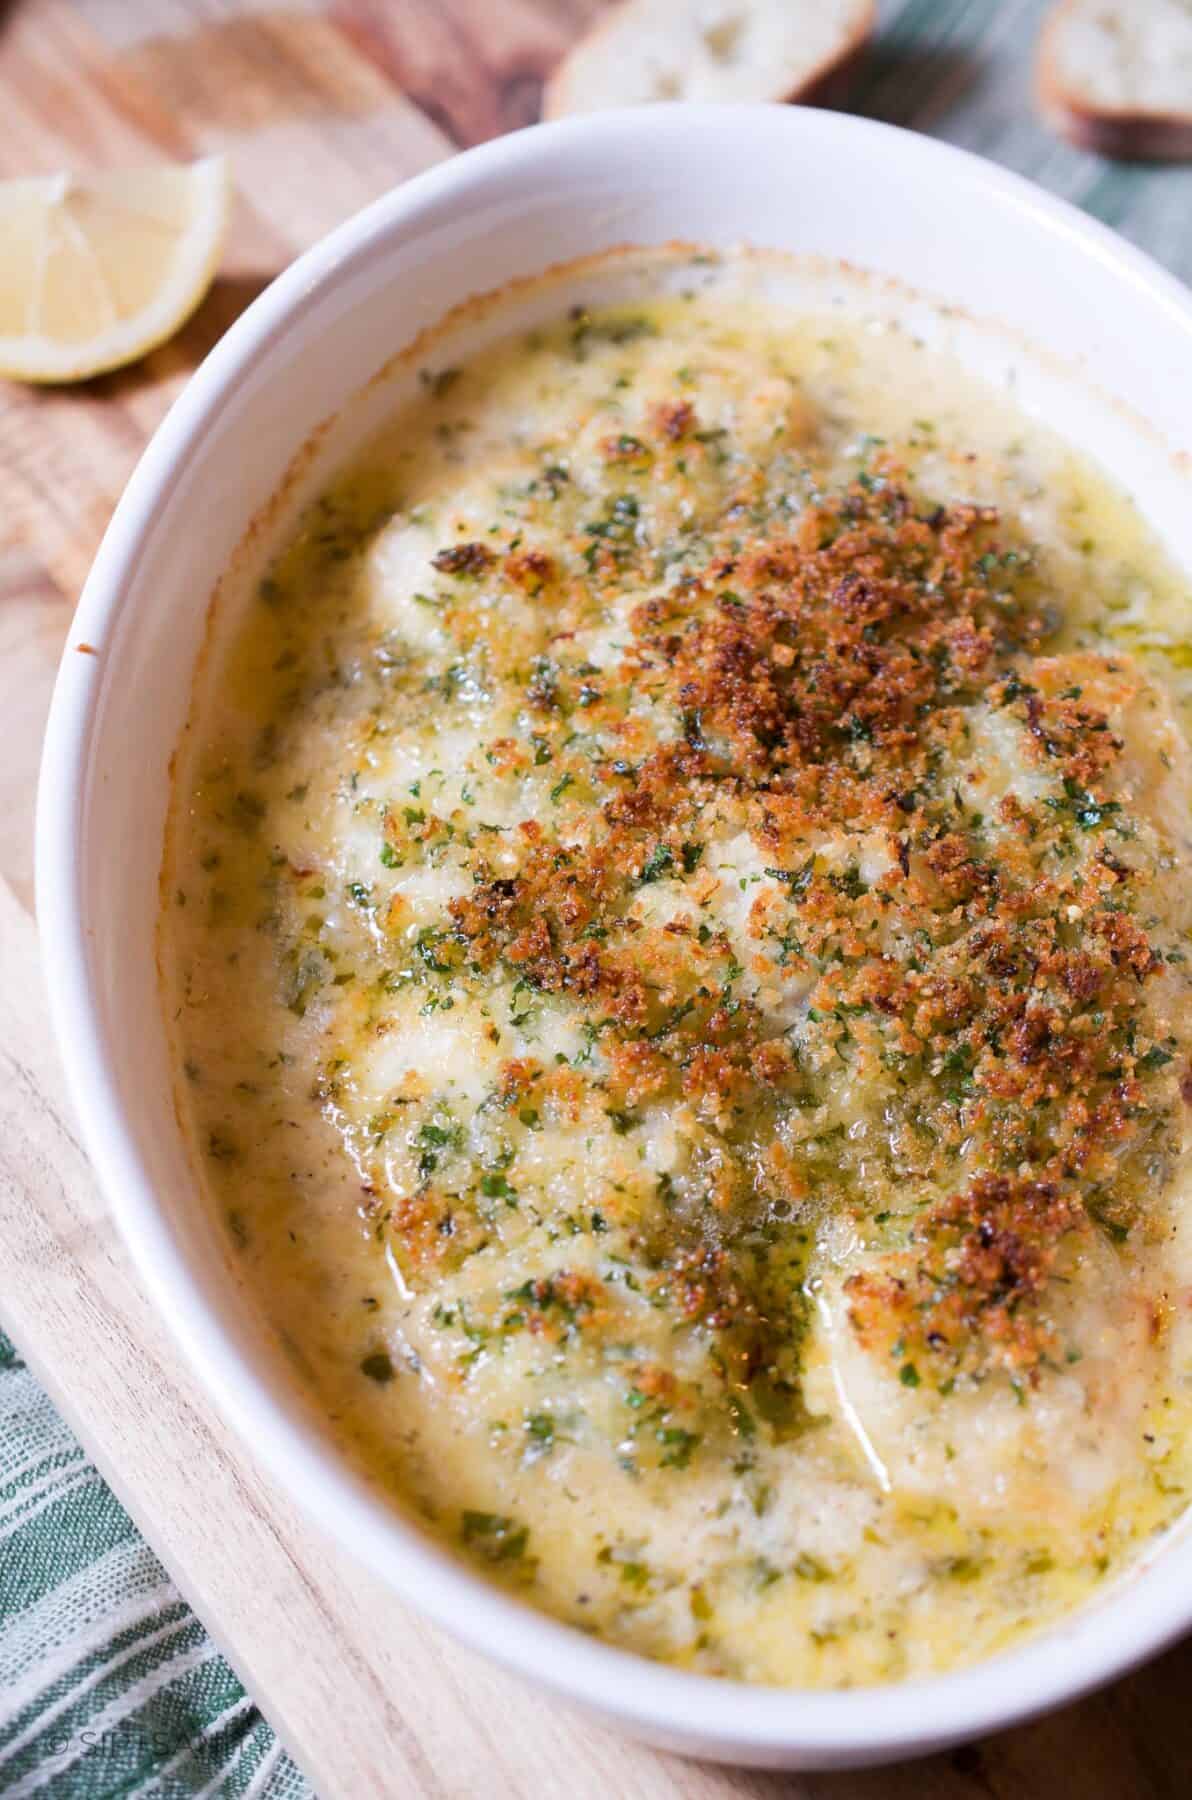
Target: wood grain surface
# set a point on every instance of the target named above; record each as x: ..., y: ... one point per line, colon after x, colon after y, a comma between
x: 322, y: 107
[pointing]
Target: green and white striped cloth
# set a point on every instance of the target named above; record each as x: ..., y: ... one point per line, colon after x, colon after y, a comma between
x: 108, y: 1684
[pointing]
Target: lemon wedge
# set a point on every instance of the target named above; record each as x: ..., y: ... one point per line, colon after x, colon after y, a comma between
x: 97, y: 270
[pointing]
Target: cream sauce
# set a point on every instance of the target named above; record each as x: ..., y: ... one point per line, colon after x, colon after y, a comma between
x: 491, y: 1247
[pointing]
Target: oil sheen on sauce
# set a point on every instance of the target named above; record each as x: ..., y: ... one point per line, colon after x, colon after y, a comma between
x: 674, y: 932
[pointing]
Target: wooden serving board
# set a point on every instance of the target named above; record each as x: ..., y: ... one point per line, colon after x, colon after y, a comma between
x: 322, y: 107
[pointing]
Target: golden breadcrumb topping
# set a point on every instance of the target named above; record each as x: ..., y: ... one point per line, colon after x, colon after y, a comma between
x: 678, y: 914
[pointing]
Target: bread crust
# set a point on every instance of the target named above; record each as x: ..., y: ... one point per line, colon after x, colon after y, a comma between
x: 825, y: 85
x: 1126, y: 134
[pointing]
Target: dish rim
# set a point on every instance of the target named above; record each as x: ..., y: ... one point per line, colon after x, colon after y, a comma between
x: 704, y: 1714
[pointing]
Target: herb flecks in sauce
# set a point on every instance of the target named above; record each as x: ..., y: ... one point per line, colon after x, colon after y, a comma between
x: 694, y: 854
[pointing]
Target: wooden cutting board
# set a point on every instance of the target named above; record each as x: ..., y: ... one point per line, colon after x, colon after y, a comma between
x: 322, y: 108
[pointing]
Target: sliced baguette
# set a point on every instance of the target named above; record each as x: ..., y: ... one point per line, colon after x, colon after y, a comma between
x: 1117, y: 78
x: 711, y: 50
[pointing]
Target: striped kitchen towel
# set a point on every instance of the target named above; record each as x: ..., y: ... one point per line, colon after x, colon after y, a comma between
x: 109, y: 1685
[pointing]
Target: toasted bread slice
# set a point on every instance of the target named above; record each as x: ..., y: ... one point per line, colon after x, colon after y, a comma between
x: 1117, y: 78
x: 712, y: 50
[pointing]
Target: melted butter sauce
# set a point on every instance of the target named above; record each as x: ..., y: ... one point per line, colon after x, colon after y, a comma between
x: 476, y: 1279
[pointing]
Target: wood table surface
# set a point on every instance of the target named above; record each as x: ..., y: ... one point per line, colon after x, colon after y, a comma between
x: 322, y: 107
